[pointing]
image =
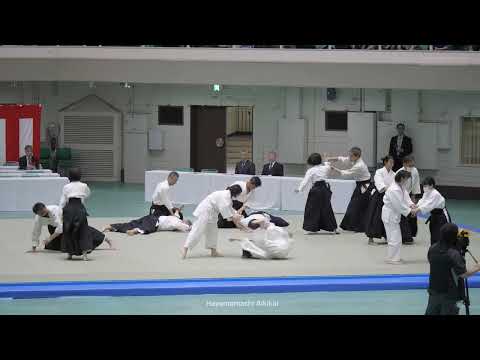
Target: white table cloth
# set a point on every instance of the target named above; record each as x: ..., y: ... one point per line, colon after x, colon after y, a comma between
x: 20, y: 193
x: 276, y: 192
x: 342, y: 191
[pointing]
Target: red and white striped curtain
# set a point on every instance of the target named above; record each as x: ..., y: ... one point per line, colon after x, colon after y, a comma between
x: 19, y: 126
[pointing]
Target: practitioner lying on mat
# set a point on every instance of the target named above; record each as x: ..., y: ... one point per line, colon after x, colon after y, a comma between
x: 276, y: 220
x: 152, y: 223
x: 51, y: 216
x: 265, y: 240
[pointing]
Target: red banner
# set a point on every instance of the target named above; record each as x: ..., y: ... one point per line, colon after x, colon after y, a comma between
x: 20, y: 125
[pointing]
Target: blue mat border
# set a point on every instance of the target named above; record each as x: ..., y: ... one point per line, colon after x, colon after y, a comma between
x: 218, y: 286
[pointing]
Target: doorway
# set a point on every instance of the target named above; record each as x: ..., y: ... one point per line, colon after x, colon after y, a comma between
x: 207, y: 138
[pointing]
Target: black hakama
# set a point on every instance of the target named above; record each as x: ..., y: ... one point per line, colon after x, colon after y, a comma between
x: 56, y: 244
x: 76, y: 237
x: 355, y: 216
x: 162, y: 210
x: 159, y: 210
x: 406, y: 229
x: 275, y: 220
x: 374, y: 227
x: 438, y: 218
x: 318, y: 209
x: 147, y: 223
x: 225, y: 224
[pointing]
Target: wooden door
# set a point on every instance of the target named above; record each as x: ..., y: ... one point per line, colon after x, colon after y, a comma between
x: 207, y: 138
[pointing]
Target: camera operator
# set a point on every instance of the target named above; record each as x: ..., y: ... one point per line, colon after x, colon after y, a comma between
x: 447, y: 273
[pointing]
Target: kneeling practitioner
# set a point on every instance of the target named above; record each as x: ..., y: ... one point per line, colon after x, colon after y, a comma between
x: 51, y: 215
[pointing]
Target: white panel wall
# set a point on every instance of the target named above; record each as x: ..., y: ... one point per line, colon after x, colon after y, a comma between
x: 271, y: 104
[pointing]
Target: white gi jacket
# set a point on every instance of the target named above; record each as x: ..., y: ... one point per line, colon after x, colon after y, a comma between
x: 75, y: 189
x: 383, y: 179
x: 54, y: 219
x: 218, y: 202
x: 160, y: 195
x: 431, y: 200
x: 314, y: 174
x: 413, y: 184
x: 358, y: 171
x: 271, y: 243
x: 396, y: 203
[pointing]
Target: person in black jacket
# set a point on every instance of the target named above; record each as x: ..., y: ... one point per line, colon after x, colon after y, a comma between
x: 448, y: 271
x: 273, y: 167
x: 245, y: 166
x: 28, y: 161
x: 400, y: 146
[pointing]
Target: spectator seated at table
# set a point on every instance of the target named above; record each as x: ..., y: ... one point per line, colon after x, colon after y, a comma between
x: 273, y: 167
x: 28, y: 161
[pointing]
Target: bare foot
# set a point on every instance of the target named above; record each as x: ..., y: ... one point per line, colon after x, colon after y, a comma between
x: 109, y: 242
x: 69, y: 257
x: 85, y: 257
x: 107, y: 228
x: 215, y: 253
x: 131, y: 232
x: 184, y: 253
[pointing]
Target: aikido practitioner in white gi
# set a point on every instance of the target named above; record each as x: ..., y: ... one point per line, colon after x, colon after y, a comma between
x: 355, y: 215
x: 396, y: 202
x: 161, y: 204
x: 265, y: 240
x: 218, y: 202
x: 241, y: 202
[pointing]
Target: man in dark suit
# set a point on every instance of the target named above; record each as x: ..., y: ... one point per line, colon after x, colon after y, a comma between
x: 400, y: 146
x: 28, y: 161
x: 273, y: 167
x: 245, y: 166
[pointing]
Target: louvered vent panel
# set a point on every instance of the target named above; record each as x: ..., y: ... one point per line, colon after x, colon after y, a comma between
x: 95, y: 130
x: 94, y: 163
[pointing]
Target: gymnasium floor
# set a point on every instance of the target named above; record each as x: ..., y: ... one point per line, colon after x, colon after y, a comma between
x: 157, y: 256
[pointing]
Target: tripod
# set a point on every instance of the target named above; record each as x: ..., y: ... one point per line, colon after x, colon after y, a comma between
x: 466, y: 300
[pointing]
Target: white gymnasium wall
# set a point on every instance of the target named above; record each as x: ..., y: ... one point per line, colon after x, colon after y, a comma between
x: 271, y: 104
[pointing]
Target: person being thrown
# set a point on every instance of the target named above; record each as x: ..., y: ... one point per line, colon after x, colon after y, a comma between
x: 266, y: 240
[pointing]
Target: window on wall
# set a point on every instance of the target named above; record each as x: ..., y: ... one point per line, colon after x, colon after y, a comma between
x: 336, y: 121
x: 470, y: 143
x: 170, y: 115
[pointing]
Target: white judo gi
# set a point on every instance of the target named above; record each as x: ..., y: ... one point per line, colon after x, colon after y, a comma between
x: 396, y: 203
x: 271, y: 243
x: 218, y: 202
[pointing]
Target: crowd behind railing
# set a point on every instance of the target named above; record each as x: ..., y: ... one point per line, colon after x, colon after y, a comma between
x: 346, y: 47
x: 320, y: 47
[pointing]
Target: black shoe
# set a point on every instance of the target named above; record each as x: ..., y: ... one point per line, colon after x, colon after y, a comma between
x: 246, y: 254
